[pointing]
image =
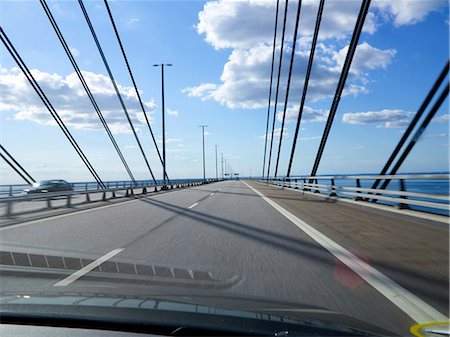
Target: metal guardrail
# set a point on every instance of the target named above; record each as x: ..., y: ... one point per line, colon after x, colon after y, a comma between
x: 351, y: 186
x: 47, y: 198
x: 17, y: 189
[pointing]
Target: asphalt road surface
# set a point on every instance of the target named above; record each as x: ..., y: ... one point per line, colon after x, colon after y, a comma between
x: 224, y: 229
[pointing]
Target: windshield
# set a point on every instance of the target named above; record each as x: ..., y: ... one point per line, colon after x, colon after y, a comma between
x: 47, y: 182
x: 280, y: 157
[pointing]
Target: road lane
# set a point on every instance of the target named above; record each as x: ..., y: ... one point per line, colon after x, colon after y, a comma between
x: 97, y: 230
x: 412, y: 251
x: 420, y: 311
x: 233, y: 232
x: 230, y: 231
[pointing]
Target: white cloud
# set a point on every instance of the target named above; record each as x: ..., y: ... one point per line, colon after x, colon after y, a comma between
x: 173, y: 140
x: 437, y: 135
x: 309, y: 138
x: 309, y: 114
x: 75, y: 52
x: 366, y: 58
x: 204, y: 90
x: 384, y: 118
x: 407, y: 12
x: 276, y: 134
x: 246, y: 28
x: 245, y: 24
x: 171, y: 112
x: 70, y: 100
x: 441, y: 118
x: 176, y: 150
x: 132, y: 21
x: 246, y: 78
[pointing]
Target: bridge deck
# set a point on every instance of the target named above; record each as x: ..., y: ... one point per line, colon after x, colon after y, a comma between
x: 248, y: 247
x: 410, y: 250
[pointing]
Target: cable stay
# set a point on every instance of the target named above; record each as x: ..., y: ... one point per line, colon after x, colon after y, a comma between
x: 134, y: 83
x: 418, y: 133
x: 340, y: 87
x: 278, y: 84
x: 413, y: 123
x: 9, y: 159
x: 305, y: 84
x: 86, y: 87
x: 270, y: 88
x: 29, y: 76
x: 119, y: 96
x: 294, y: 43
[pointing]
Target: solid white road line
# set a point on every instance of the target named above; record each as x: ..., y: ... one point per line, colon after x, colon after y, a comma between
x: 193, y: 205
x: 406, y: 301
x: 211, y: 194
x: 83, y: 271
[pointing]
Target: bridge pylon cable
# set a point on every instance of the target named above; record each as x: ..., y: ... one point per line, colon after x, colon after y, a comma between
x: 341, y: 84
x: 305, y: 84
x: 270, y: 88
x: 29, y: 76
x: 119, y: 96
x: 86, y: 88
x: 414, y: 121
x: 29, y: 182
x: 134, y: 83
x: 294, y: 43
x: 418, y: 133
x: 17, y: 166
x: 286, y: 5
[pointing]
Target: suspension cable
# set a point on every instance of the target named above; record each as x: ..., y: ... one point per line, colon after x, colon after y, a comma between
x: 17, y: 165
x: 305, y: 85
x: 414, y: 121
x: 15, y: 169
x: 344, y: 73
x: 29, y: 76
x: 418, y: 134
x: 119, y: 96
x: 294, y: 43
x: 278, y: 85
x: 134, y: 82
x: 270, y: 88
x: 86, y: 88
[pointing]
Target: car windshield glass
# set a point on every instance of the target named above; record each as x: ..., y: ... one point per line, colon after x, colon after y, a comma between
x: 283, y: 157
x: 46, y: 182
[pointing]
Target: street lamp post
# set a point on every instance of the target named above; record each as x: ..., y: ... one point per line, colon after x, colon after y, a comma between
x: 217, y: 173
x: 222, y: 165
x: 225, y: 167
x: 203, y: 137
x: 164, y: 187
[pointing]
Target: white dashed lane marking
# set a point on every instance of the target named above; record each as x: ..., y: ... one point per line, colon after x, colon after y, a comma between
x: 83, y: 271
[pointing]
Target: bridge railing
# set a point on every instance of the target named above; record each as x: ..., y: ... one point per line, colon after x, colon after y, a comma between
x: 17, y: 189
x: 423, y: 192
x: 11, y: 205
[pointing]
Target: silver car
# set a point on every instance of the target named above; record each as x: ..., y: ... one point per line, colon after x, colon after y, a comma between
x: 55, y: 185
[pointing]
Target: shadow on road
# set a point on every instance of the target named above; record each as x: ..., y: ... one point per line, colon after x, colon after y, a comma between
x: 304, y: 248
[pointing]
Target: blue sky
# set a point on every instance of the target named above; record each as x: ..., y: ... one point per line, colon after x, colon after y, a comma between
x: 221, y: 51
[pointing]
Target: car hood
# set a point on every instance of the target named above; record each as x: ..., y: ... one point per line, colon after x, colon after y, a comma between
x: 137, y: 289
x: 183, y: 310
